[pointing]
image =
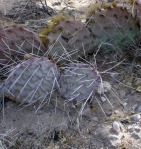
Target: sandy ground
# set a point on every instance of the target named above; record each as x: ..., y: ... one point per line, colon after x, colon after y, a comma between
x: 6, y: 5
x: 57, y: 126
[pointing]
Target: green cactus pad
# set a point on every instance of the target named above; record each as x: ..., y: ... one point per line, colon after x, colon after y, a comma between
x: 114, y: 28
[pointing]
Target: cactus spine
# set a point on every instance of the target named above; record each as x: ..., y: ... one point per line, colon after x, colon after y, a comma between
x: 67, y: 39
x: 31, y: 81
x: 16, y: 41
x: 79, y: 81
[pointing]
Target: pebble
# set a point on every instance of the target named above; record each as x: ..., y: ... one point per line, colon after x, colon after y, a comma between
x: 27, y: 56
x: 104, y: 87
x: 137, y: 130
x: 135, y: 136
x: 103, y: 99
x: 131, y: 130
x: 137, y: 108
x: 116, y: 127
x: 135, y: 117
x: 124, y: 104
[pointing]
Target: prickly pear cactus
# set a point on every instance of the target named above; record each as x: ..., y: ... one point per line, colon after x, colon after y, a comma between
x: 67, y: 40
x: 113, y: 27
x: 79, y: 81
x: 16, y: 41
x: 32, y: 80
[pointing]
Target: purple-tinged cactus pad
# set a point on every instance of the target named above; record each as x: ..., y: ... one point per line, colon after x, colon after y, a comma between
x: 79, y: 81
x: 16, y: 41
x: 32, y: 80
x: 68, y: 40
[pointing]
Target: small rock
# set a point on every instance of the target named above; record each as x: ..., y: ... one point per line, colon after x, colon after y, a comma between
x: 137, y: 130
x: 27, y: 56
x: 104, y: 87
x: 116, y: 127
x: 124, y: 104
x: 103, y: 99
x: 135, y: 136
x: 117, y: 112
x: 131, y: 130
x: 138, y: 88
x: 135, y: 117
x: 137, y: 108
x: 56, y: 3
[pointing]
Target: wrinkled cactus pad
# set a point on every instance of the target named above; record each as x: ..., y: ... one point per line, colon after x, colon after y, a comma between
x: 79, y: 81
x: 32, y: 80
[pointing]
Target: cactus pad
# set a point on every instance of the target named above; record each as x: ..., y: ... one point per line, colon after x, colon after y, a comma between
x: 68, y: 39
x: 114, y: 27
x: 16, y: 41
x: 32, y: 80
x: 79, y: 81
